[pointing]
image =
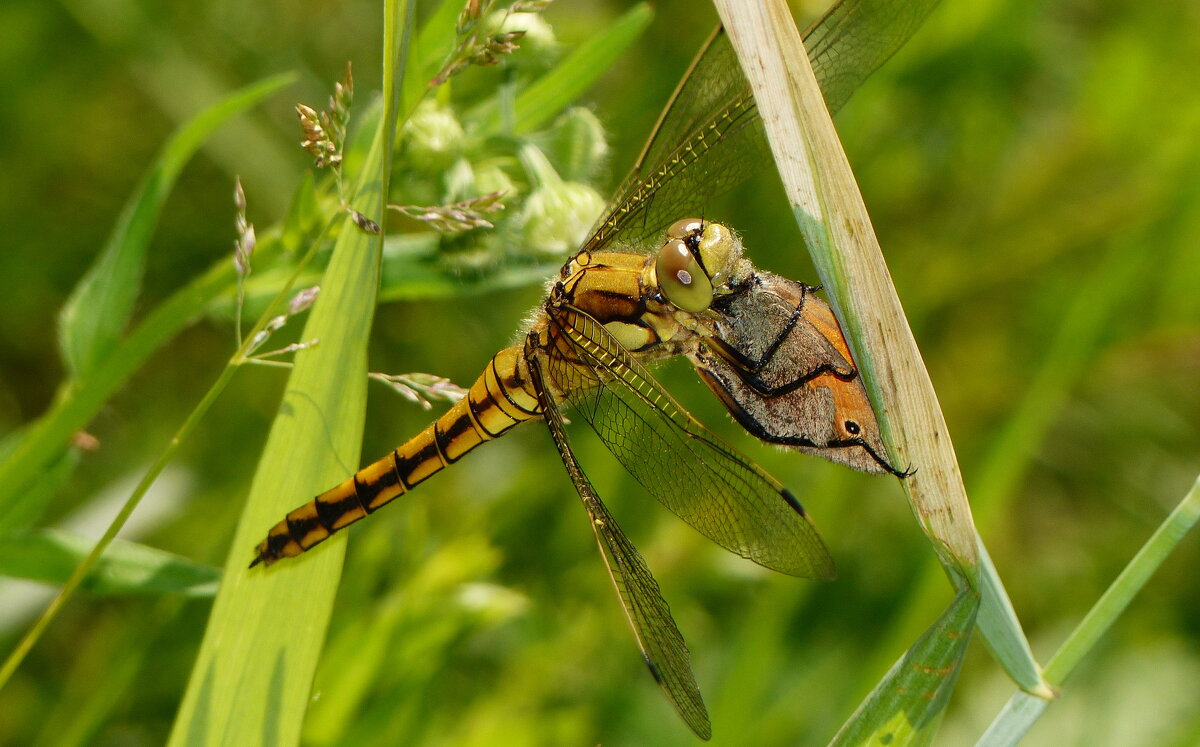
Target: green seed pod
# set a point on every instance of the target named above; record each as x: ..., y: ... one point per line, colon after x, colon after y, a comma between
x: 556, y: 219
x: 577, y: 144
x: 433, y: 139
x: 539, y: 48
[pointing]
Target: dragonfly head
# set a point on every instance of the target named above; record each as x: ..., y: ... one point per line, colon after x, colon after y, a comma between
x: 698, y: 261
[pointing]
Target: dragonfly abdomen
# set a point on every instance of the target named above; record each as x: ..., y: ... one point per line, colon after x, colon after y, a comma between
x: 500, y: 398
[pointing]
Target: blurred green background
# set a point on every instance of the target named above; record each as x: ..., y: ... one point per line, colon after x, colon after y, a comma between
x: 1034, y: 177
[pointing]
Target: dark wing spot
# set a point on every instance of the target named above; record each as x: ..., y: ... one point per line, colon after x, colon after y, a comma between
x: 791, y: 501
x: 653, y: 669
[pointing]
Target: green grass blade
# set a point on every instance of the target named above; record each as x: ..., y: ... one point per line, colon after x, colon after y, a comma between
x: 47, y: 438
x: 50, y: 556
x: 102, y: 302
x: 838, y: 233
x: 28, y: 505
x: 173, y: 75
x: 265, y: 631
x: 1022, y: 710
x: 251, y: 681
x: 428, y: 52
x: 837, y: 230
x: 1002, y: 630
x: 907, y: 704
x: 543, y: 99
x: 49, y: 430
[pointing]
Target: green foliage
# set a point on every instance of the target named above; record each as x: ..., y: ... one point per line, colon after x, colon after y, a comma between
x: 49, y: 556
x: 1022, y: 710
x: 1030, y: 173
x: 98, y: 309
x: 908, y: 703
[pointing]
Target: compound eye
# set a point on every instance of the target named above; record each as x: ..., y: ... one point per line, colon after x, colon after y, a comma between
x: 682, y: 229
x: 681, y: 278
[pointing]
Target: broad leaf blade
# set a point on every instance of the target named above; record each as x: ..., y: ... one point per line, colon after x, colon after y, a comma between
x: 49, y: 556
x: 252, y: 679
x: 907, y: 704
x: 267, y: 625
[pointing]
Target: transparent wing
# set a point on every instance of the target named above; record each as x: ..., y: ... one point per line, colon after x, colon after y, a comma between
x: 855, y: 37
x: 710, y: 138
x: 687, y: 467
x: 657, y: 635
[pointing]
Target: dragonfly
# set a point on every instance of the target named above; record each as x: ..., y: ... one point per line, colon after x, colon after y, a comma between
x: 768, y: 348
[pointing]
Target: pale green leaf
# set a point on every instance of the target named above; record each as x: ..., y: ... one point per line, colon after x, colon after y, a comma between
x: 907, y: 704
x: 50, y: 555
x: 1022, y: 709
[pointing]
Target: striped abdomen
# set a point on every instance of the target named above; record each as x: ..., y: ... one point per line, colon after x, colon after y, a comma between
x: 501, y: 398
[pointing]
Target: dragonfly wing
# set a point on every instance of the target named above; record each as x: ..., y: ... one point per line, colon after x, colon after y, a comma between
x: 710, y: 138
x: 687, y: 467
x: 853, y: 39
x: 657, y: 635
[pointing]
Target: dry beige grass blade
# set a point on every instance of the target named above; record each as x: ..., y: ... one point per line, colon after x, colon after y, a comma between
x: 831, y: 213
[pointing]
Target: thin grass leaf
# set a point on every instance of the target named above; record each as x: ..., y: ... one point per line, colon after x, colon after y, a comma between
x: 251, y: 681
x: 176, y: 79
x: 837, y: 230
x: 907, y: 704
x: 543, y: 99
x: 428, y: 52
x: 102, y: 302
x: 1023, y: 710
x: 28, y: 505
x: 80, y: 399
x: 1002, y: 631
x: 50, y: 556
x: 49, y: 436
